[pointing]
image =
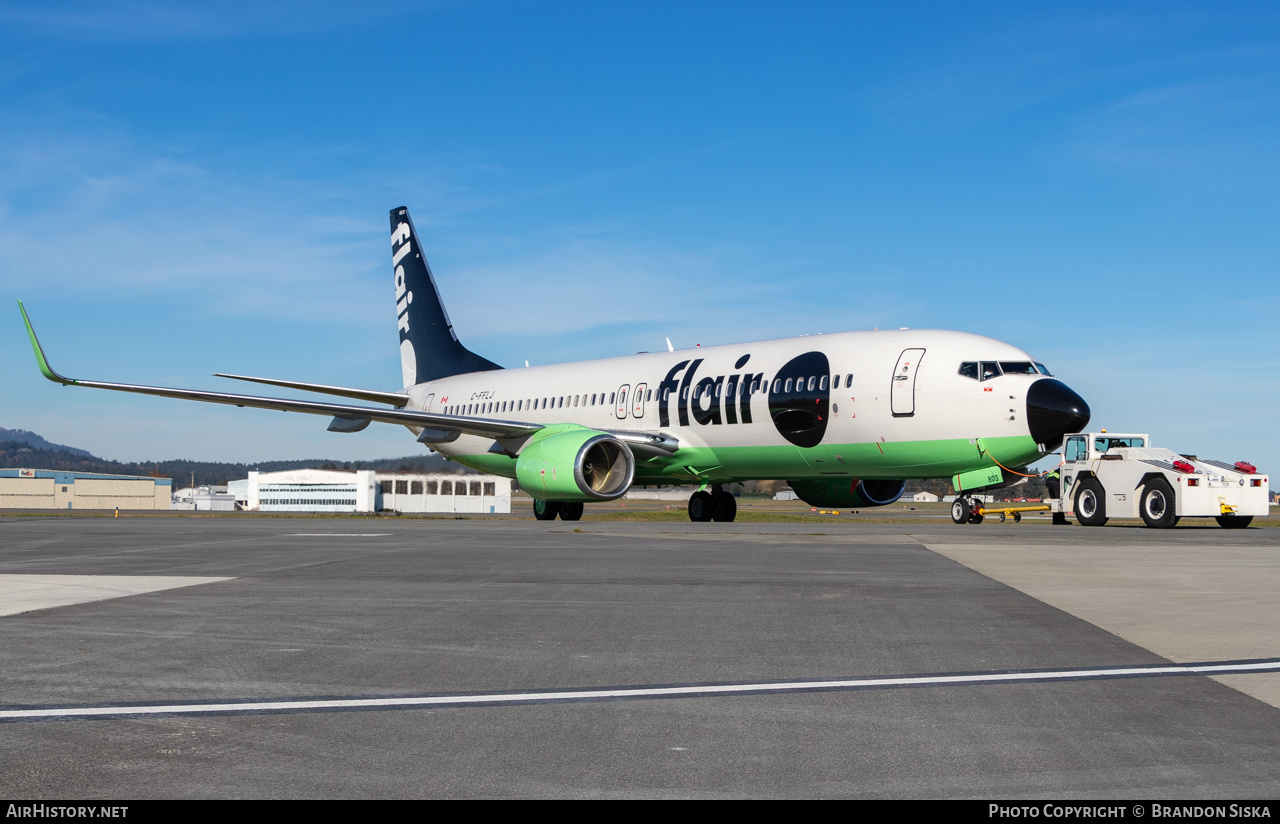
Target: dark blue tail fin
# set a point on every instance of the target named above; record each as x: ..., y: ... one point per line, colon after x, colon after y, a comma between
x: 429, y: 348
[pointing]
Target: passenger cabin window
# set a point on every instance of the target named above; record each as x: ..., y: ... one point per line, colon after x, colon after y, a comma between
x: 969, y: 369
x: 990, y: 369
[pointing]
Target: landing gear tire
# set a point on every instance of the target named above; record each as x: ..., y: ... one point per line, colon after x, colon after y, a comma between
x: 975, y: 518
x: 545, y: 510
x: 960, y: 511
x: 1157, y: 507
x: 701, y: 506
x: 571, y: 512
x: 1233, y: 521
x: 726, y: 507
x: 1091, y: 505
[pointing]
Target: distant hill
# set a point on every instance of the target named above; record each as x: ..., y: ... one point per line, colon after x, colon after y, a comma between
x: 34, y: 440
x: 20, y: 449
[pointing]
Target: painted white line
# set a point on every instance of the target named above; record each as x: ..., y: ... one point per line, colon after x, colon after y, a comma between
x: 636, y: 693
x: 337, y: 534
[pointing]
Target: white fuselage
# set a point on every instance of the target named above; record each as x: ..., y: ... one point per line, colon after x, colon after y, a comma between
x: 874, y: 397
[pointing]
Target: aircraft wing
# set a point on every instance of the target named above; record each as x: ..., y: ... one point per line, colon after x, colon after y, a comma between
x: 347, y: 417
x: 471, y: 426
x: 398, y: 399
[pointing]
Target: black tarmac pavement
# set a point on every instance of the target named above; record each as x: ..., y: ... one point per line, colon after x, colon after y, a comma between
x: 383, y: 607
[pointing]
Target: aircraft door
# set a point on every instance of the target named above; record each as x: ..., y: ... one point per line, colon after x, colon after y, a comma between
x: 902, y: 393
x: 426, y: 405
x: 637, y: 400
x: 621, y: 408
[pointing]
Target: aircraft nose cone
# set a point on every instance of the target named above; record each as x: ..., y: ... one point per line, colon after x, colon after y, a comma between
x: 1054, y: 410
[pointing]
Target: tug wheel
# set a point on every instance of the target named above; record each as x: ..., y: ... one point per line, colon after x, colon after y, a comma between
x: 1157, y: 506
x: 1091, y: 506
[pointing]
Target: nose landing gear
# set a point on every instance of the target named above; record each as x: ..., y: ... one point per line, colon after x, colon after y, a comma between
x: 966, y: 511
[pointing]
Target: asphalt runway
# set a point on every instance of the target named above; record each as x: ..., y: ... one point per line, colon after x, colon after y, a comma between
x: 308, y: 658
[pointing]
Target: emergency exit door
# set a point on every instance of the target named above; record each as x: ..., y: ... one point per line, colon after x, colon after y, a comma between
x: 902, y: 393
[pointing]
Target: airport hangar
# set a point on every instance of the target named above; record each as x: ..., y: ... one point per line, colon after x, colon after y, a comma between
x: 58, y: 489
x: 339, y: 490
x: 300, y: 490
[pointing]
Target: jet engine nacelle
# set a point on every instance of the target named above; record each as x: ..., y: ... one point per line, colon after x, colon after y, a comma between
x: 570, y: 463
x: 848, y: 494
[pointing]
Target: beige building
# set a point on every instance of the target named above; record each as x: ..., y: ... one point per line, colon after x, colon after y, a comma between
x: 56, y: 489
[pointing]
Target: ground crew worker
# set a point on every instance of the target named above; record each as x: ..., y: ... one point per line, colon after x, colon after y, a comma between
x: 1052, y: 480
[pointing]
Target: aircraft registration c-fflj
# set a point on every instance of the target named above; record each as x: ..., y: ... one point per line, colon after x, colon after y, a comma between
x: 846, y: 418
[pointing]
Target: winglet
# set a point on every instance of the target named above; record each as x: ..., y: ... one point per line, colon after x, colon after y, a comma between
x: 45, y: 369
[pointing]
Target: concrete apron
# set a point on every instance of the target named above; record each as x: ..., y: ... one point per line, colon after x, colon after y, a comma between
x: 1185, y: 602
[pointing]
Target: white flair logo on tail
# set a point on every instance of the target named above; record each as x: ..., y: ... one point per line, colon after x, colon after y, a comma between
x: 408, y: 357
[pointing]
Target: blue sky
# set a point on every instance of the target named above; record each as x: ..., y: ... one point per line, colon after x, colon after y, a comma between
x: 187, y: 189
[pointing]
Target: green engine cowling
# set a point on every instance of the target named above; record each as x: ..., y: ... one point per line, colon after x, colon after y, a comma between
x: 571, y: 463
x: 848, y: 493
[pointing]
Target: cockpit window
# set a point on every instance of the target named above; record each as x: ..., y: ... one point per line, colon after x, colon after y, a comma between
x: 1017, y: 367
x: 990, y: 369
x: 969, y: 369
x: 1043, y: 370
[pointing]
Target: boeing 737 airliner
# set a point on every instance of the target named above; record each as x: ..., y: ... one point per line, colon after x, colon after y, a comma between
x: 845, y: 418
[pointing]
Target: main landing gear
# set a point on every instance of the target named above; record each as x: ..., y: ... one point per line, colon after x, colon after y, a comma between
x: 716, y: 505
x: 548, y: 510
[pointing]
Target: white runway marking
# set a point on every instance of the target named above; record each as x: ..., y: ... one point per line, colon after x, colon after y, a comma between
x: 338, y: 534
x: 24, y: 593
x: 631, y: 693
